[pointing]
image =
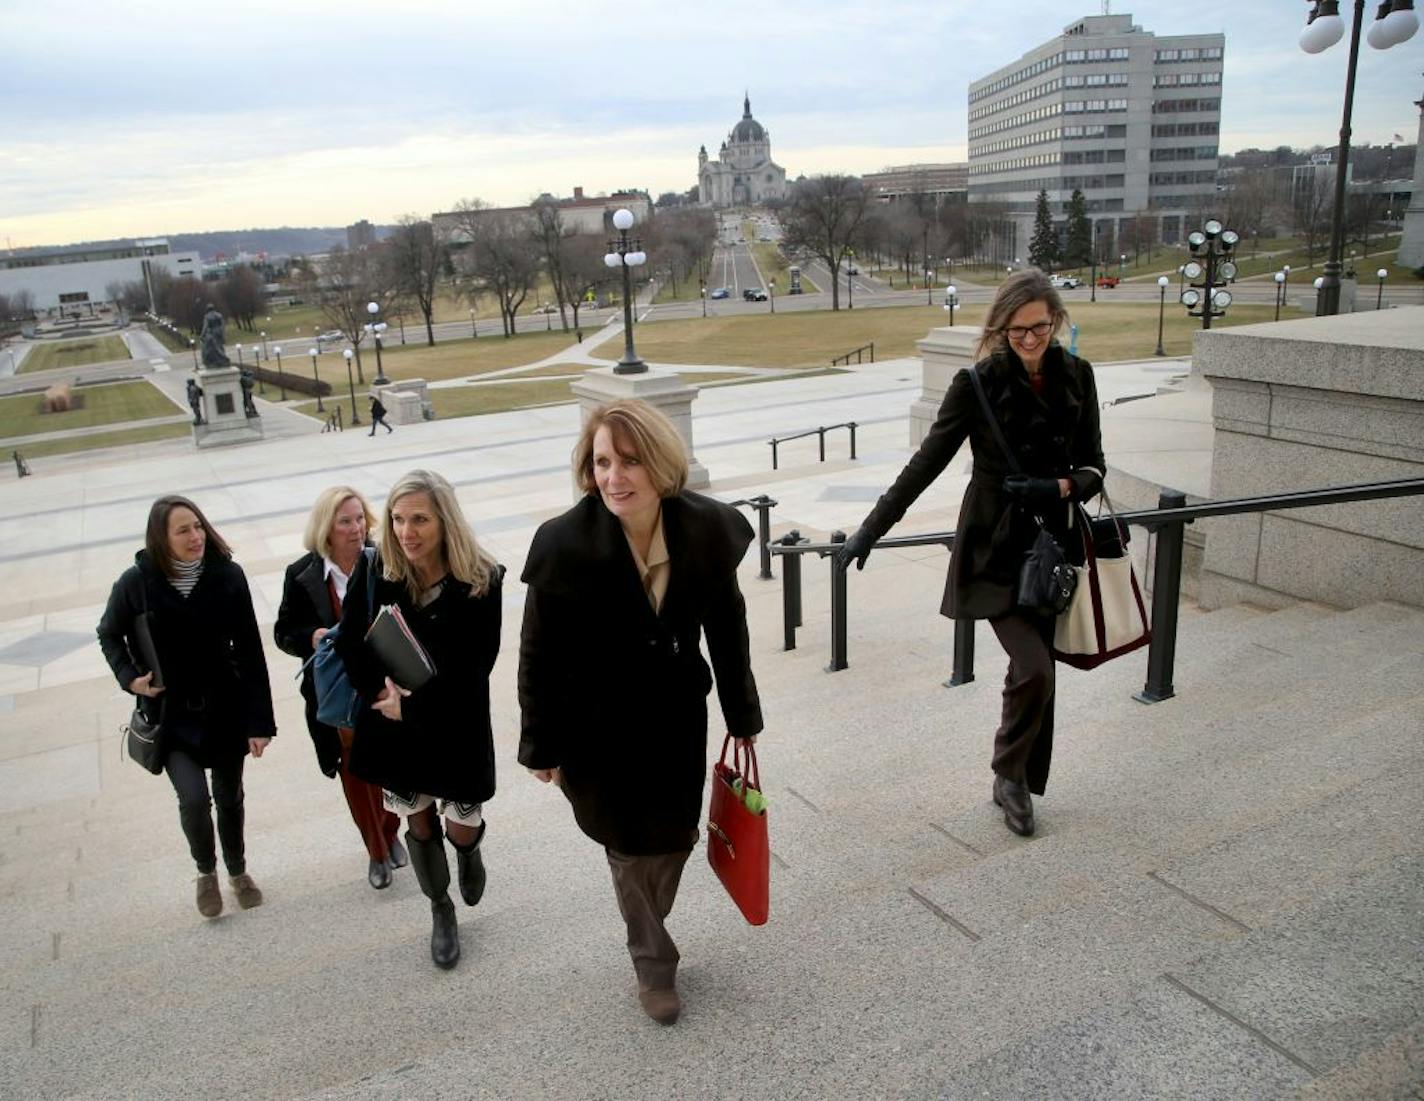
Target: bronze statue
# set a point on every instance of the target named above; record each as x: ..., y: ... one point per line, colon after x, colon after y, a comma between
x: 195, y: 399
x: 249, y: 407
x: 213, y: 340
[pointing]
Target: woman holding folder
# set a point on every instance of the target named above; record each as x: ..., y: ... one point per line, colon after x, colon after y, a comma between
x: 425, y: 736
x: 179, y: 632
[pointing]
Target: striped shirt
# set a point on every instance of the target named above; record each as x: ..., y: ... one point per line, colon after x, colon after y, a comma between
x: 185, y: 575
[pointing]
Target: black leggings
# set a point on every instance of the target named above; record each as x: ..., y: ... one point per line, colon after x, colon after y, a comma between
x: 194, y: 810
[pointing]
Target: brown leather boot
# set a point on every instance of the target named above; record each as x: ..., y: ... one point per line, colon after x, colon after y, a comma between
x: 662, y: 1006
x: 248, y: 895
x: 209, y: 897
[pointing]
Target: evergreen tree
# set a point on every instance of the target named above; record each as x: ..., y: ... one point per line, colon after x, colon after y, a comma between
x: 1043, y: 248
x: 1079, y: 250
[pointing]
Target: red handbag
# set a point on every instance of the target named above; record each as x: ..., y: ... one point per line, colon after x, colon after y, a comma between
x: 737, y: 845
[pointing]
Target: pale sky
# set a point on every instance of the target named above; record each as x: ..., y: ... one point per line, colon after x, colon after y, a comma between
x: 154, y: 117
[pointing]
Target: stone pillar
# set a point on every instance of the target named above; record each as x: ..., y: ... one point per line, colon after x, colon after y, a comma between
x: 1411, y: 245
x: 225, y: 421
x: 664, y: 390
x: 406, y: 401
x: 944, y: 352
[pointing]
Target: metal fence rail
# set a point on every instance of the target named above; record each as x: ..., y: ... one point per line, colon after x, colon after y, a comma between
x: 819, y: 432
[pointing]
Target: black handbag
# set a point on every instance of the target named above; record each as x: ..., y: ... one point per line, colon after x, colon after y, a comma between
x: 143, y: 734
x: 1046, y: 579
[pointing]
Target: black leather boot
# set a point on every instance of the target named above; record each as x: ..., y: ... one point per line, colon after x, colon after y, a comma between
x: 472, y: 868
x: 1017, y: 804
x: 432, y: 870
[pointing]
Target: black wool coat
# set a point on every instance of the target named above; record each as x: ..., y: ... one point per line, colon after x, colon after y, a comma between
x: 306, y: 606
x: 443, y: 745
x: 1053, y: 435
x: 615, y: 695
x: 217, y: 694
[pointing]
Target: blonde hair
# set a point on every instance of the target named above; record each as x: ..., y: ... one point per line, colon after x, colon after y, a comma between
x: 317, y: 537
x: 1016, y: 292
x: 639, y: 432
x: 466, y: 560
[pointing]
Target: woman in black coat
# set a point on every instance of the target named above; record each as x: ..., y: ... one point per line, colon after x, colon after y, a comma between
x: 612, y: 684
x: 430, y: 747
x: 313, y: 591
x: 1046, y: 403
x: 209, y: 691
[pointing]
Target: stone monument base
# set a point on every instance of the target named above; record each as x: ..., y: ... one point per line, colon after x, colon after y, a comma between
x: 664, y: 390
x: 406, y: 401
x: 944, y: 352
x: 224, y: 420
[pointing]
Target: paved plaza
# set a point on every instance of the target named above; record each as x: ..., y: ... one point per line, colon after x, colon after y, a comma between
x: 1223, y: 899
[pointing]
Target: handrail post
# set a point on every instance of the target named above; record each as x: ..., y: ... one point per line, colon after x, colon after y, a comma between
x: 872, y: 351
x: 838, y: 609
x: 790, y: 590
x: 774, y: 442
x: 963, y: 671
x: 1166, y: 595
x: 821, y: 435
x: 852, y: 440
x: 763, y: 505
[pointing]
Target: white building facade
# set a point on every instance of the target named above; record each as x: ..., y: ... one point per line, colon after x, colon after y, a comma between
x: 743, y: 173
x: 79, y: 277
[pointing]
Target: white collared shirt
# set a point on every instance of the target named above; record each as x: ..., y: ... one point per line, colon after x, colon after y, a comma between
x: 334, y: 574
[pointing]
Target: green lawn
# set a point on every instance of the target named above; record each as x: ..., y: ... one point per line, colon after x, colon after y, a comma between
x: 498, y: 397
x: 448, y: 359
x: 75, y: 352
x: 117, y: 403
x: 121, y: 438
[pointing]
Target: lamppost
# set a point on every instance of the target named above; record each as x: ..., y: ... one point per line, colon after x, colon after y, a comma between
x: 1162, y: 284
x: 850, y: 287
x: 264, y: 343
x: 1181, y: 278
x: 281, y: 384
x: 239, y: 357
x: 351, y: 385
x: 193, y: 347
x: 704, y: 301
x: 1211, y: 264
x: 1395, y: 22
x: 473, y: 334
x: 316, y: 382
x: 1122, y: 265
x: 950, y: 293
x: 257, y: 359
x: 1381, y: 275
x: 929, y: 285
x: 1280, y: 278
x: 377, y: 328
x: 771, y: 293
x: 626, y: 254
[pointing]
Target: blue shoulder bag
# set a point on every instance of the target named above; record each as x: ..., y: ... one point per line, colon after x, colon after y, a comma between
x: 337, y: 701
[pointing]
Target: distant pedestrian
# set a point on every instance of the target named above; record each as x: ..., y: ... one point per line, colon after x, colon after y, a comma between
x: 378, y: 415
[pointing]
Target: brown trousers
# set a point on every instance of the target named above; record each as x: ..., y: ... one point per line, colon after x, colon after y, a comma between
x: 378, y: 826
x: 646, y: 887
x: 1023, y: 744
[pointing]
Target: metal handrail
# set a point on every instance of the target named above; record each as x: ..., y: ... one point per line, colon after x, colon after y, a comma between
x: 820, y: 431
x: 1168, y: 520
x: 859, y: 354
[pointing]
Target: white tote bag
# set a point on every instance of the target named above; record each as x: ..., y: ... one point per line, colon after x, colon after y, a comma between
x: 1106, y: 617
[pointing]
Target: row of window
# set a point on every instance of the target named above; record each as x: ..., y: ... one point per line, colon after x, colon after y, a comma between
x: 1184, y: 129
x: 1167, y: 179
x: 1093, y: 80
x: 1093, y: 183
x: 1096, y: 156
x: 1052, y: 61
x: 1037, y: 138
x: 1014, y: 100
x: 1075, y: 57
x: 1173, y: 80
x: 1017, y: 120
x: 1205, y: 53
x: 1096, y: 130
x: 1092, y: 106
x: 1185, y: 153
x: 1172, y: 202
x: 1169, y: 106
x: 1032, y: 161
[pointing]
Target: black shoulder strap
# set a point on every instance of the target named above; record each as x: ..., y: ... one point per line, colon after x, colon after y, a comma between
x: 993, y: 421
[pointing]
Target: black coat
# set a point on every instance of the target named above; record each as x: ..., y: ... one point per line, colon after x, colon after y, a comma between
x: 209, y: 651
x: 615, y: 695
x: 1054, y: 435
x: 443, y: 745
x: 306, y: 606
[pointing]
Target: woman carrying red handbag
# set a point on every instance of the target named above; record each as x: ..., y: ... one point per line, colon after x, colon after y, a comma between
x: 612, y: 684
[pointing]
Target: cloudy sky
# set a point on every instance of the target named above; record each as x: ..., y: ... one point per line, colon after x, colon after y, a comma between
x: 155, y: 117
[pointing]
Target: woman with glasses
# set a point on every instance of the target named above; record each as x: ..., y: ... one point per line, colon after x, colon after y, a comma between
x: 1046, y: 403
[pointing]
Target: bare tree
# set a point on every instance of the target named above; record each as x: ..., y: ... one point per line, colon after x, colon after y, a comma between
x: 242, y: 292
x: 188, y: 300
x: 504, y: 257
x: 551, y: 233
x: 1311, y: 211
x: 584, y: 269
x: 344, y: 285
x: 823, y: 217
x: 418, y: 256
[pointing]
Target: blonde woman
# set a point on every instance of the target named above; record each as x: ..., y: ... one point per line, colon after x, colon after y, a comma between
x: 315, y: 588
x: 1046, y: 403
x: 430, y: 748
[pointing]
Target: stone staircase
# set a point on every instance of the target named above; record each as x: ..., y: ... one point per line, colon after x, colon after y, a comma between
x: 1225, y: 897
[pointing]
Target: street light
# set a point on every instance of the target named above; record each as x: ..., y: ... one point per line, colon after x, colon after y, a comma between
x: 351, y: 385
x: 264, y: 342
x: 771, y: 293
x: 950, y: 293
x: 1212, y: 248
x: 1381, y: 275
x: 1395, y: 22
x: 1122, y: 265
x: 704, y: 301
x: 626, y: 254
x: 257, y: 359
x: 281, y: 384
x: 316, y: 382
x: 850, y: 287
x: 1162, y: 283
x: 193, y: 347
x: 929, y: 286
x: 1280, y: 278
x: 473, y: 334
x: 377, y: 327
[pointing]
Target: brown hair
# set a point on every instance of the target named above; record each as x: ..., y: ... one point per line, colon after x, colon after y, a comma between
x: 317, y: 536
x: 1016, y: 292
x: 155, y: 536
x: 639, y: 432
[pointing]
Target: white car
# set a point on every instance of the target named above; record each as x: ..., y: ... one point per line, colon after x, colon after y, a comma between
x: 1067, y: 282
x: 331, y: 336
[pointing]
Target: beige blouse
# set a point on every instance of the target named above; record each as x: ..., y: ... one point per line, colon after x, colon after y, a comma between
x: 654, y: 571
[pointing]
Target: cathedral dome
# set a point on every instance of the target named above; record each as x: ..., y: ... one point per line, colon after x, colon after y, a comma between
x: 748, y: 129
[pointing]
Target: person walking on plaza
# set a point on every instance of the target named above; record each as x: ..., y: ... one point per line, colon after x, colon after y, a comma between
x: 378, y: 415
x: 315, y: 587
x: 430, y: 748
x: 1046, y: 403
x: 213, y: 695
x: 612, y: 684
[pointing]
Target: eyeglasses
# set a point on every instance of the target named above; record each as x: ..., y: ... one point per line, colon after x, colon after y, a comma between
x: 1020, y: 332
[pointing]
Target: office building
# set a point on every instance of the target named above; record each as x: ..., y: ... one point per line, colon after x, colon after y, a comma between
x: 944, y: 183
x: 1128, y: 117
x: 80, y: 277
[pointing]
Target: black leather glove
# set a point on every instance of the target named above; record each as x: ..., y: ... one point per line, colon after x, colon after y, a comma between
x: 1034, y: 492
x: 855, y: 549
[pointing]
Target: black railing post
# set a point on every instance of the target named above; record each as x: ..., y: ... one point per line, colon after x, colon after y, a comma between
x: 764, y: 505
x: 838, y: 609
x: 852, y: 439
x: 773, y: 453
x: 872, y: 351
x: 1166, y: 594
x: 821, y: 434
x: 790, y: 590
x: 963, y: 671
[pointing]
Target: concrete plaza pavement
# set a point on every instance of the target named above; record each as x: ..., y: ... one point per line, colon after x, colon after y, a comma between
x: 1194, y: 918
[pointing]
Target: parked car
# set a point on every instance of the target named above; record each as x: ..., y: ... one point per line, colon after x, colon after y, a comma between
x: 1067, y: 282
x: 331, y: 336
x: 754, y: 294
x: 1108, y: 280
x: 853, y: 270
x: 720, y: 292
